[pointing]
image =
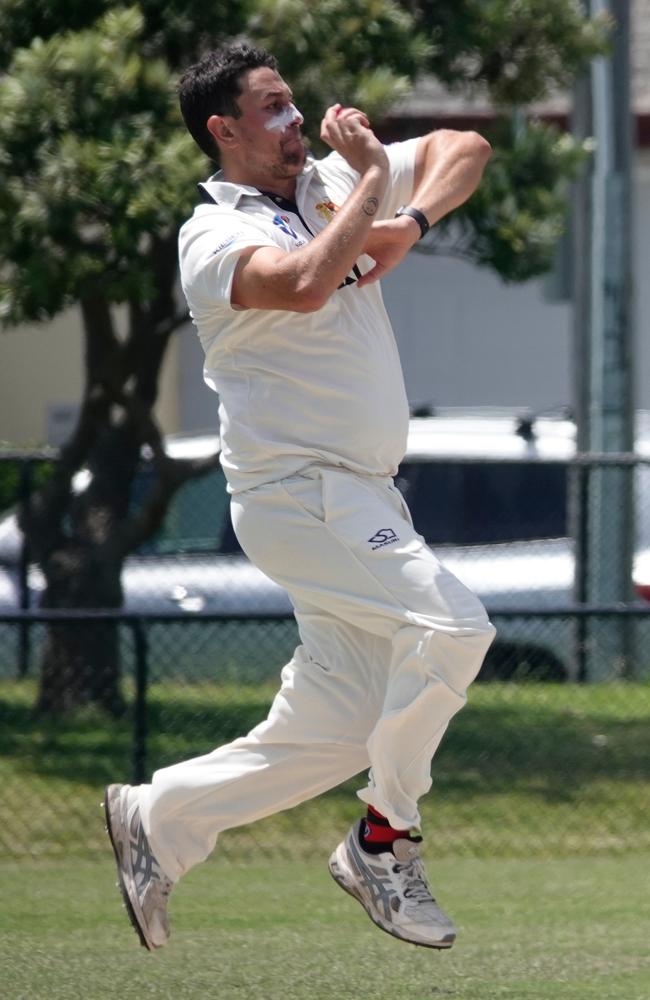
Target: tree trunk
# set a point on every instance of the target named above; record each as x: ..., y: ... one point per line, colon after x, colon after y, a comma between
x: 81, y: 666
x: 80, y: 538
x: 81, y: 661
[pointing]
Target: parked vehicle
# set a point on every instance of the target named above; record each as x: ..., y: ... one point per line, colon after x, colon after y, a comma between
x: 489, y: 491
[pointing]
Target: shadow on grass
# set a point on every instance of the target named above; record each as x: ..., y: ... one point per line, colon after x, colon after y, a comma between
x: 550, y: 742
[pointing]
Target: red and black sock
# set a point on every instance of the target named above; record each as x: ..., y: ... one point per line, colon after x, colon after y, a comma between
x: 376, y: 835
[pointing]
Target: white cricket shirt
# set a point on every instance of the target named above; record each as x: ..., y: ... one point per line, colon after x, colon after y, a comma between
x: 296, y: 389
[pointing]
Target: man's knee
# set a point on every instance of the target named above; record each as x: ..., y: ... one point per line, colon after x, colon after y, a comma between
x: 484, y: 639
x: 458, y: 656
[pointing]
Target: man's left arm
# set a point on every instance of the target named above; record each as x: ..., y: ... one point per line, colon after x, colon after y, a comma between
x: 448, y: 169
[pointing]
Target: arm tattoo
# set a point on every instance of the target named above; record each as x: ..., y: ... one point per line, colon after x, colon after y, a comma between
x: 370, y: 206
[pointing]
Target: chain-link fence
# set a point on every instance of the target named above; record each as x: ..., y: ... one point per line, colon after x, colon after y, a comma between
x: 538, y: 762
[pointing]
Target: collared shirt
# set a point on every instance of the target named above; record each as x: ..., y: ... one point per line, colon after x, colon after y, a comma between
x: 296, y: 389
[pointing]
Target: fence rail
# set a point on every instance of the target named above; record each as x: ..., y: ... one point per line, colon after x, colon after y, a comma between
x: 138, y: 625
x: 531, y: 766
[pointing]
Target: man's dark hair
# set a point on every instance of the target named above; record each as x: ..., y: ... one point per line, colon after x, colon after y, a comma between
x: 212, y: 86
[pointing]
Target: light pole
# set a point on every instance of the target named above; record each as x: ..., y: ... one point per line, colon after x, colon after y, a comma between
x: 603, y: 320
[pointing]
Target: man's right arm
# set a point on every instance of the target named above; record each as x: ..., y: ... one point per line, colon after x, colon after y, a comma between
x: 303, y: 280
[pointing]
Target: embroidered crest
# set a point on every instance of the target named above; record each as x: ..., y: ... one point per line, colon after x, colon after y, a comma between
x: 327, y: 210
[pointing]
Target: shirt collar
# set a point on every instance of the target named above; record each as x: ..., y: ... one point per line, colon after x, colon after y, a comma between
x: 227, y: 193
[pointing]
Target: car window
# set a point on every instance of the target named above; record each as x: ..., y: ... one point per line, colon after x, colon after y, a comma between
x: 198, y: 519
x: 465, y: 503
x: 452, y: 502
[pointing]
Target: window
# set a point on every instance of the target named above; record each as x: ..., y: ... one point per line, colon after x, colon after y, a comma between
x: 474, y: 503
x: 453, y: 502
x: 198, y: 519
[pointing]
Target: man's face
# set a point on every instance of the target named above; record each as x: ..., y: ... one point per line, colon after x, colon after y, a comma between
x: 268, y: 133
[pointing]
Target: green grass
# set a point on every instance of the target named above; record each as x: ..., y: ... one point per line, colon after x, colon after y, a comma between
x: 537, y: 839
x: 544, y: 770
x: 573, y: 928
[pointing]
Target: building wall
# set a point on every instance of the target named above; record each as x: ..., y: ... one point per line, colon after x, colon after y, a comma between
x: 466, y: 338
x: 41, y: 382
x: 197, y: 404
x: 41, y: 367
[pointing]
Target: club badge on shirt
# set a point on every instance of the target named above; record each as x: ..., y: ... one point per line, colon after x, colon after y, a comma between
x: 327, y: 210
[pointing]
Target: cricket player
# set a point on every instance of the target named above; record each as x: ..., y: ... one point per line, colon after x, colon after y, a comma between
x: 280, y: 267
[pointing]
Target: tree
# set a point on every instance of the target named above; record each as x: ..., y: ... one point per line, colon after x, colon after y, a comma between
x: 515, y: 53
x: 96, y: 174
x: 518, y: 49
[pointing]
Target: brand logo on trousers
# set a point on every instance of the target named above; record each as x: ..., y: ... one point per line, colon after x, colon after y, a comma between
x: 385, y: 536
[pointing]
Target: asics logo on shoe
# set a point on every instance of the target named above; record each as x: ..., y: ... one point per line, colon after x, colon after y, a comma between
x: 385, y: 536
x: 376, y: 881
x: 141, y: 857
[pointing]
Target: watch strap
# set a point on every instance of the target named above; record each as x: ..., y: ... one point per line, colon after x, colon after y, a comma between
x: 416, y: 214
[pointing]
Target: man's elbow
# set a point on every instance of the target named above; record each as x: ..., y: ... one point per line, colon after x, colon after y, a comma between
x: 309, y: 297
x: 478, y: 146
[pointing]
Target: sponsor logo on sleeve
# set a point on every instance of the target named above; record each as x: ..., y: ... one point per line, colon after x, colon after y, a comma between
x: 228, y: 241
x: 284, y: 223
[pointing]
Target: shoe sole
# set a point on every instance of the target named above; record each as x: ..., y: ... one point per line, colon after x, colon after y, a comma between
x: 122, y: 886
x: 338, y: 875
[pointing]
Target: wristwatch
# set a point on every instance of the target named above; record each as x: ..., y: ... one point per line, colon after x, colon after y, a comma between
x: 416, y: 214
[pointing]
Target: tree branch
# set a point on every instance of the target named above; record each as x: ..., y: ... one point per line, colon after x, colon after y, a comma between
x: 41, y: 518
x: 172, y: 474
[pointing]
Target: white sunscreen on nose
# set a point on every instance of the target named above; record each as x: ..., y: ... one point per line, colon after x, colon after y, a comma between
x: 289, y: 116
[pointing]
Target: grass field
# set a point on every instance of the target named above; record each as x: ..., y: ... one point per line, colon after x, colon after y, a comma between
x: 538, y: 842
x: 539, y: 769
x: 570, y: 929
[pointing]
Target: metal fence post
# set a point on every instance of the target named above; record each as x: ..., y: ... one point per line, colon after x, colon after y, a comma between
x: 25, y: 634
x: 140, y: 703
x: 578, y: 503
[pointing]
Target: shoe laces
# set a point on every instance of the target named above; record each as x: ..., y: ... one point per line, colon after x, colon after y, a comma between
x: 165, y: 884
x: 416, y: 887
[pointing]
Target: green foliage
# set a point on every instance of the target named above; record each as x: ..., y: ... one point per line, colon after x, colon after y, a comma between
x: 525, y: 770
x: 94, y: 167
x: 95, y: 163
x: 519, y: 49
x: 176, y: 29
x: 363, y: 53
x: 515, y: 218
x: 517, y: 52
x: 11, y: 473
x: 9, y: 483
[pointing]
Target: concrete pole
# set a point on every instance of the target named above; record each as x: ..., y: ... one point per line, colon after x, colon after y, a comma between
x: 605, y: 395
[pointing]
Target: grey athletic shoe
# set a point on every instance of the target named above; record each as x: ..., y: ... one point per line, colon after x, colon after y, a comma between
x: 144, y: 886
x: 393, y: 890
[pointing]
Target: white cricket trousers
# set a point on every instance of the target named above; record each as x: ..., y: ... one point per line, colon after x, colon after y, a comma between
x: 390, y: 642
